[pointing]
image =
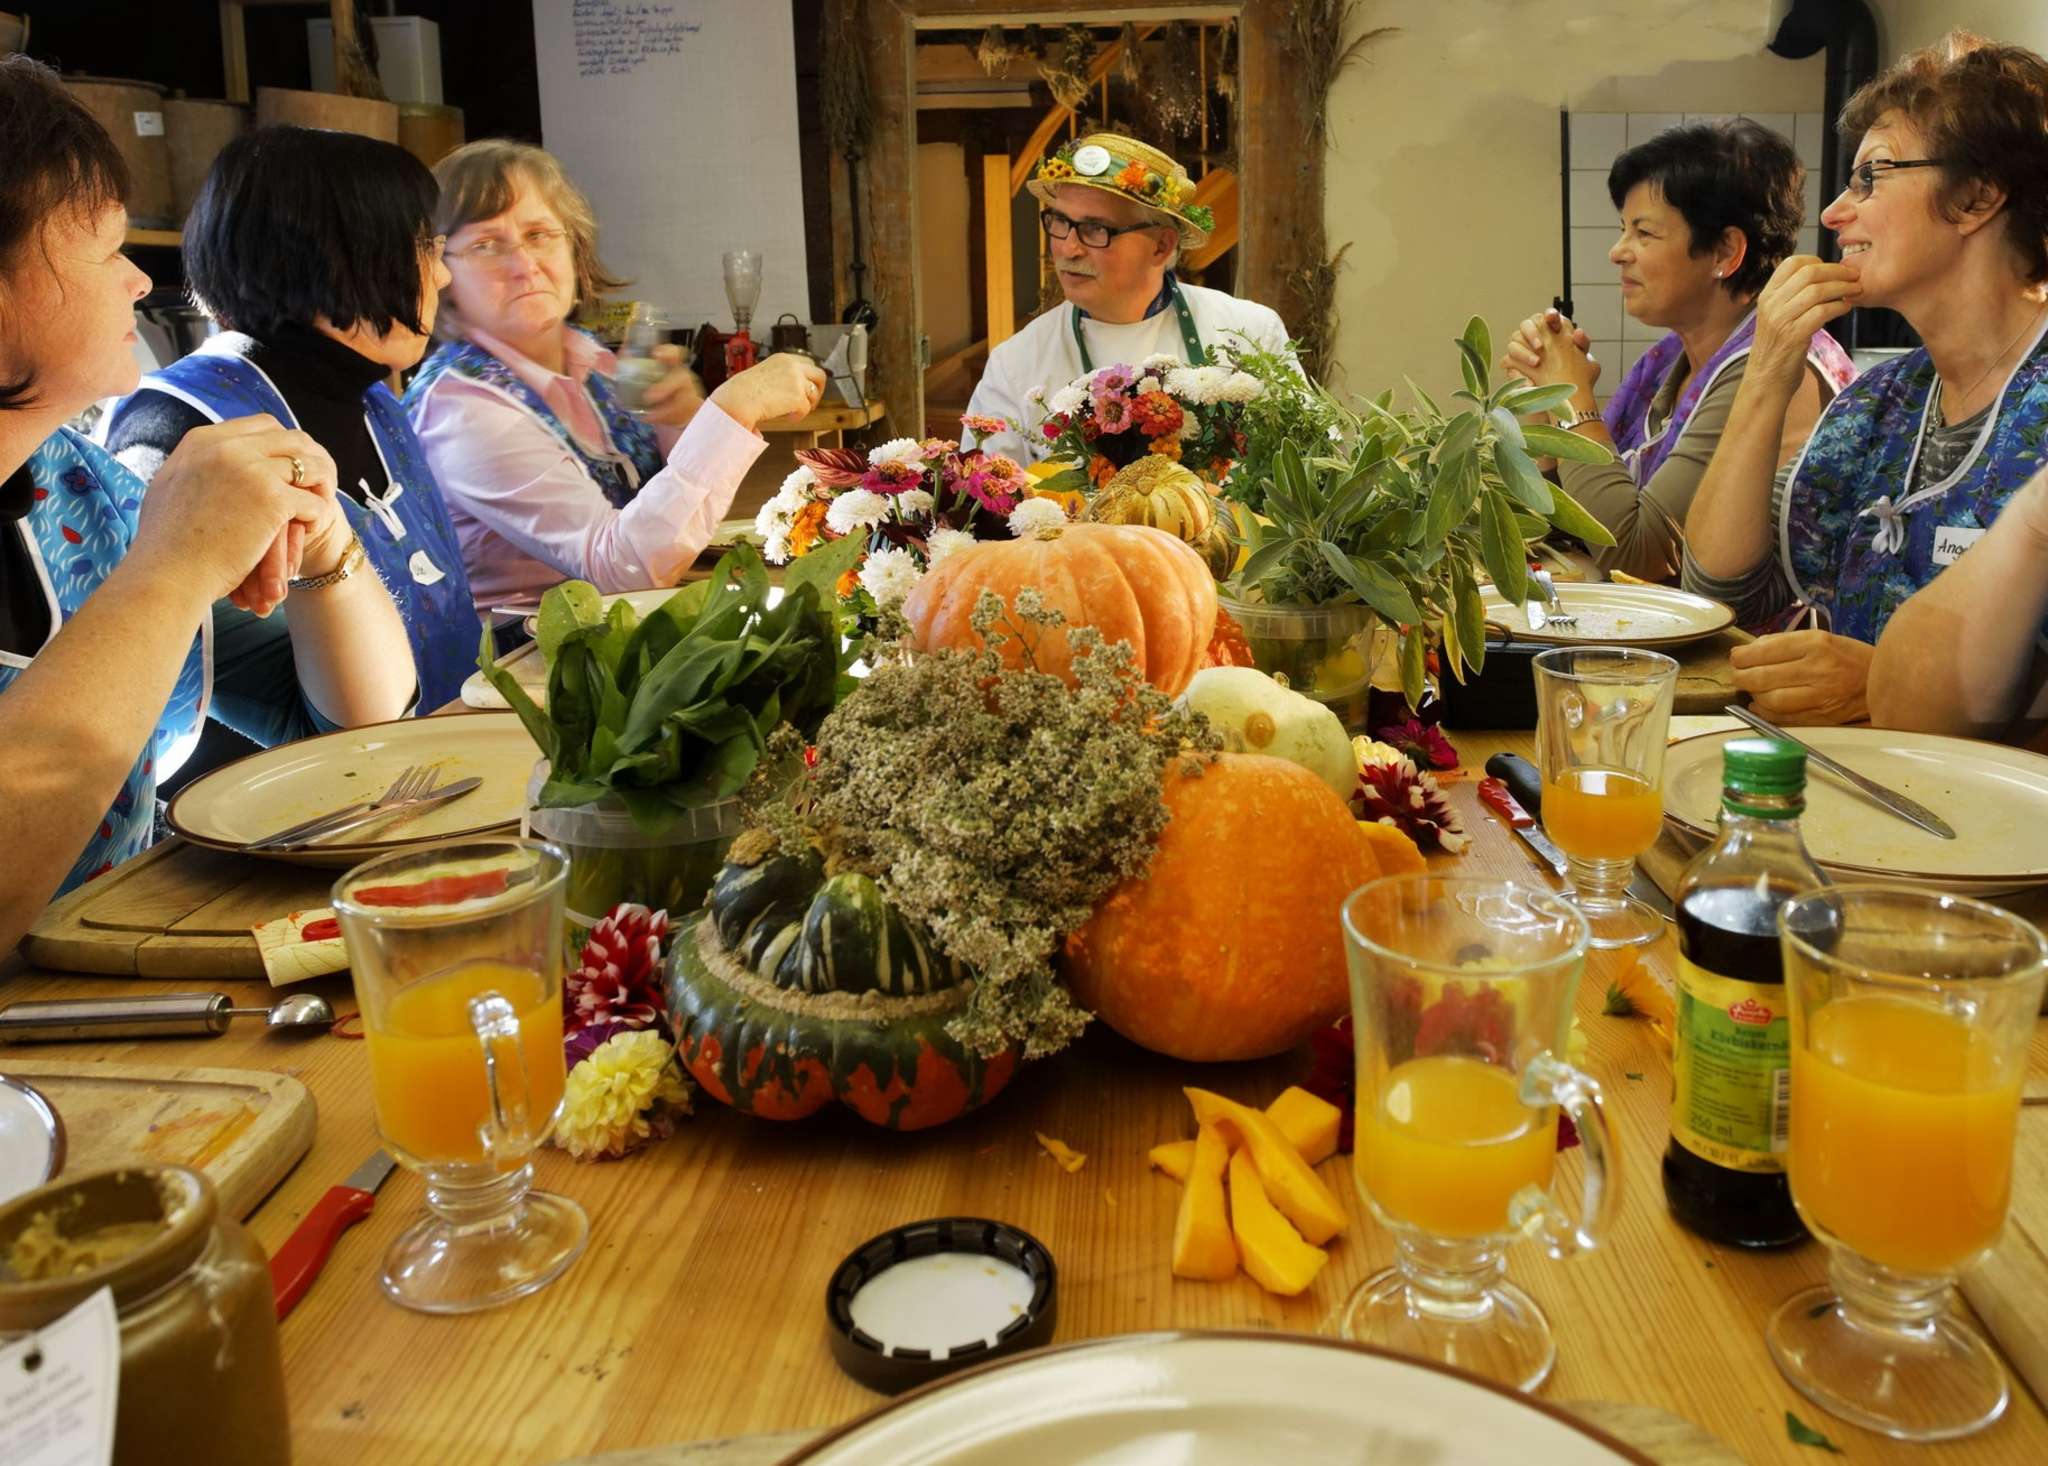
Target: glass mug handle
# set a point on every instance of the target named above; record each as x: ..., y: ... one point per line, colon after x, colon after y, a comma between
x: 1548, y: 1080
x: 505, y: 1131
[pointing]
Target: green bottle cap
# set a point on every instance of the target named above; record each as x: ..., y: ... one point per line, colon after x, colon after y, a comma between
x: 1763, y: 766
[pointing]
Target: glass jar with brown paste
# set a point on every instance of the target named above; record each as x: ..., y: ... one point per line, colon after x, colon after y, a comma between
x: 202, y: 1379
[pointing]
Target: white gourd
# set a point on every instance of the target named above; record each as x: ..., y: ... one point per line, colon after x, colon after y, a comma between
x: 1255, y: 714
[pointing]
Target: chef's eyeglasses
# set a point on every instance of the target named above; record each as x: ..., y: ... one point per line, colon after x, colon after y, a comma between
x: 495, y: 252
x: 1863, y: 177
x: 1093, y: 234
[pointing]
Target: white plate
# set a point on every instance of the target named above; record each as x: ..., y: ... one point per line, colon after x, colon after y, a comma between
x: 1615, y: 615
x: 1994, y: 797
x: 31, y: 1139
x: 1211, y: 1399
x: 642, y: 602
x: 279, y: 787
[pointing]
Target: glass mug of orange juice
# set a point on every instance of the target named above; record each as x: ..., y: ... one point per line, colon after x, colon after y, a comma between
x: 1461, y: 1000
x: 1603, y: 714
x: 457, y: 957
x: 1911, y: 1016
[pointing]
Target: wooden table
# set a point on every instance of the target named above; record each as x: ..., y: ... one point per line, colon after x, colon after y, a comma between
x: 698, y: 1309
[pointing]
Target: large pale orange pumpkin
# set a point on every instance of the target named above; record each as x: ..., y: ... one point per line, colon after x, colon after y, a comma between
x: 1230, y: 946
x: 1130, y: 582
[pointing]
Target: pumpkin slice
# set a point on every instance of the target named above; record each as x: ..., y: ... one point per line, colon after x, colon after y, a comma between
x: 1309, y: 1123
x: 1273, y: 1252
x: 1202, y: 1245
x: 1293, y: 1187
x: 1398, y: 855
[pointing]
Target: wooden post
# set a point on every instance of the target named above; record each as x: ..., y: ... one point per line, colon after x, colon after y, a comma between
x: 234, y: 51
x: 1000, y: 269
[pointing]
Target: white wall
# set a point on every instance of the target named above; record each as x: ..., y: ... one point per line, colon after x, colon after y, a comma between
x: 1443, y: 168
x: 1904, y: 25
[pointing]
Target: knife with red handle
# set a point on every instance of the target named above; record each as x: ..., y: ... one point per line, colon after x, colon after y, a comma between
x: 305, y: 1252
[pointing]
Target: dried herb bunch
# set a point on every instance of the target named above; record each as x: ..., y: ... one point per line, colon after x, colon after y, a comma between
x: 995, y: 805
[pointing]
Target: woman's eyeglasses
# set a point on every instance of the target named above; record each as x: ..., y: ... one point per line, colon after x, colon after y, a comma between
x: 1094, y: 235
x: 495, y: 252
x: 1863, y: 177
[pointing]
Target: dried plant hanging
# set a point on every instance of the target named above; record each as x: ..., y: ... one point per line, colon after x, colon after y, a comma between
x: 1315, y: 35
x: 1226, y: 62
x: 843, y: 98
x: 1176, y: 92
x: 1066, y: 69
x: 994, y: 51
x: 1035, y: 43
x: 1314, y: 289
x: 1130, y: 60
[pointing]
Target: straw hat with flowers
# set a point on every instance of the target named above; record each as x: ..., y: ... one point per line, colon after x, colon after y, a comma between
x: 1134, y: 170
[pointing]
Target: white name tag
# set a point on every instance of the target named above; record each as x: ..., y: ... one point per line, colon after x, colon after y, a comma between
x: 59, y: 1386
x: 1950, y: 540
x: 424, y: 571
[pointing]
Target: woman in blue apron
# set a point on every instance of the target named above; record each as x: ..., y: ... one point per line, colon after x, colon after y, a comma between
x: 107, y: 593
x: 315, y: 252
x: 547, y: 474
x: 1912, y: 463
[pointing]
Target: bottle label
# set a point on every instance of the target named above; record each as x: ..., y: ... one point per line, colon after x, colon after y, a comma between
x: 1731, y: 1059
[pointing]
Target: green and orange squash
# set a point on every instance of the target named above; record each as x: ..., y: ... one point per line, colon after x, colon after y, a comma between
x: 798, y: 988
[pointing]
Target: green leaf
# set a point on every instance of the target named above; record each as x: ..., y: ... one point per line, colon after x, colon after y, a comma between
x: 1571, y: 517
x: 1500, y: 546
x: 1527, y: 400
x: 1374, y: 586
x: 1414, y: 648
x: 1470, y: 614
x: 1066, y: 481
x: 1519, y: 475
x: 1506, y: 425
x: 1479, y: 341
x: 821, y: 568
x: 1451, y: 500
x: 537, y: 724
x: 1265, y: 560
x: 1293, y: 480
x: 1549, y: 442
x: 1428, y: 403
x: 1474, y: 367
x: 1803, y: 1434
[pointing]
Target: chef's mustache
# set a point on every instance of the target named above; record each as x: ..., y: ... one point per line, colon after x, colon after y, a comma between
x: 1076, y: 267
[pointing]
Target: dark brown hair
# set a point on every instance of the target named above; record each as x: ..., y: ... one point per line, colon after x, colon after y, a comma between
x: 480, y: 180
x: 1983, y: 109
x: 53, y: 156
x: 1723, y: 175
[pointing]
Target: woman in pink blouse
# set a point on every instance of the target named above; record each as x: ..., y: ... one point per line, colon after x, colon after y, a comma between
x: 546, y: 475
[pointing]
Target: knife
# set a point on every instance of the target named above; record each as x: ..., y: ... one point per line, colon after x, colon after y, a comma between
x: 1889, y: 800
x: 342, y: 824
x: 1494, y: 793
x: 305, y: 1252
x: 1526, y: 786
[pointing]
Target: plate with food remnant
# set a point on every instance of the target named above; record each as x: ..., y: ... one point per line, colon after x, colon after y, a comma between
x: 1609, y: 614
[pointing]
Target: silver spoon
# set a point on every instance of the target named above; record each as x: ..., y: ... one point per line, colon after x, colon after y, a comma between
x: 171, y: 1015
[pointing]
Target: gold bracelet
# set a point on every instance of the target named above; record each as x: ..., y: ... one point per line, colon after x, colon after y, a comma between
x: 352, y: 557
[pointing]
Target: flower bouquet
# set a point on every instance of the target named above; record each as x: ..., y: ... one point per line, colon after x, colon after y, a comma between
x: 1116, y: 415
x: 913, y: 503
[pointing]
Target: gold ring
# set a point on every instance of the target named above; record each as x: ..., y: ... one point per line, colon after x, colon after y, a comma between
x: 298, y: 478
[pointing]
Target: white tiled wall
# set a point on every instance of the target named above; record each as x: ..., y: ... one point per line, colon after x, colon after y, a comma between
x: 1596, y: 293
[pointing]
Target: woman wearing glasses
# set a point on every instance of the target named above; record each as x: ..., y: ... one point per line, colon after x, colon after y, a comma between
x: 315, y: 253
x: 1945, y: 220
x: 547, y: 475
x: 1707, y: 212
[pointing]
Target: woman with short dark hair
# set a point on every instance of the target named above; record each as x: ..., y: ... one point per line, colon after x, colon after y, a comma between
x: 1707, y: 212
x: 107, y: 593
x: 316, y: 254
x: 1945, y: 220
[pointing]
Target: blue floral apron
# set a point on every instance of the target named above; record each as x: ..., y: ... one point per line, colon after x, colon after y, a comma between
x: 1854, y: 542
x: 81, y: 523
x: 618, y: 475
x: 405, y: 530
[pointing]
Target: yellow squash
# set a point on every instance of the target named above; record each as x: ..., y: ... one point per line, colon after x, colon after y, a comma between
x: 1202, y: 1245
x: 1273, y: 1252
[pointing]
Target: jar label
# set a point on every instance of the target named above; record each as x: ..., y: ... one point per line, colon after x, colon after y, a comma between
x: 149, y: 124
x: 1731, y: 1058
x: 59, y: 1385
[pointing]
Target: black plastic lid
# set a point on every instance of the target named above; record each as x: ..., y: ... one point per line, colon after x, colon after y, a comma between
x: 891, y: 1369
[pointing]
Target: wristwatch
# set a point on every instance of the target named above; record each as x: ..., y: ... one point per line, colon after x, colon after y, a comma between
x: 1570, y: 418
x: 351, y: 558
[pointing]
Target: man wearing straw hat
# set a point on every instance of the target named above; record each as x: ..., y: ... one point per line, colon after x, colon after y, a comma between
x: 1117, y: 215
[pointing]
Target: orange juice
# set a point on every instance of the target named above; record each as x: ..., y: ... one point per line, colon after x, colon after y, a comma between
x: 427, y: 1064
x: 1602, y: 814
x: 1449, y: 1144
x: 1902, y: 1133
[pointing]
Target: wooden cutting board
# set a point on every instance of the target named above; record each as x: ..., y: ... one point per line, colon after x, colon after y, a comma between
x: 244, y: 1128
x: 2008, y: 1288
x: 174, y: 911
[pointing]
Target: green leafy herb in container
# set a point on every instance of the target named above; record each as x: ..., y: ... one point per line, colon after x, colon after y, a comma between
x: 653, y: 725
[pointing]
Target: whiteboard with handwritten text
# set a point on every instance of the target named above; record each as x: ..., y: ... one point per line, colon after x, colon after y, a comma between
x: 678, y: 119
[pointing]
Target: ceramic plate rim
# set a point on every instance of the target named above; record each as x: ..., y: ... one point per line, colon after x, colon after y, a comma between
x: 813, y: 1450
x: 1683, y: 638
x: 362, y: 850
x: 1998, y: 883
x: 53, y: 1124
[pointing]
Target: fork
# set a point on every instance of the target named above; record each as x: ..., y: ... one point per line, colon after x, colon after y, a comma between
x: 414, y: 781
x: 1541, y: 615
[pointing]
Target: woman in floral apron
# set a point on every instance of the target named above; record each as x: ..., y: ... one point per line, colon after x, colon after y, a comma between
x: 1943, y: 221
x: 106, y: 593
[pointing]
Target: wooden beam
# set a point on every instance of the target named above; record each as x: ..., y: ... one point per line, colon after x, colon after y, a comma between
x: 1218, y: 190
x: 1026, y: 161
x: 1001, y: 268
x: 889, y: 215
x: 234, y: 51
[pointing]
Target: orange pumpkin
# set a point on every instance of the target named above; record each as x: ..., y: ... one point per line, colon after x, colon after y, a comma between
x: 1229, y: 947
x: 1130, y: 582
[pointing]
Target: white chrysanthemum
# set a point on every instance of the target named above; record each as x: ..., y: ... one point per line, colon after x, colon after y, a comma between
x: 889, y: 575
x: 1147, y: 383
x: 1200, y: 385
x: 1035, y: 395
x: 1069, y: 399
x: 770, y: 519
x: 897, y: 450
x: 1159, y: 361
x: 856, y: 509
x: 943, y: 542
x: 796, y: 488
x: 1035, y: 514
x: 1238, y: 387
x: 775, y: 545
x: 913, y: 502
